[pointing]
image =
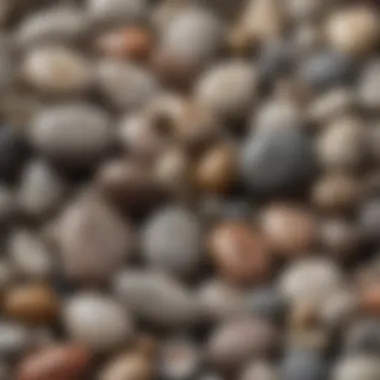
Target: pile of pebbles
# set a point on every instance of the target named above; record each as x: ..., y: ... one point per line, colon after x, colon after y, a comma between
x: 190, y: 190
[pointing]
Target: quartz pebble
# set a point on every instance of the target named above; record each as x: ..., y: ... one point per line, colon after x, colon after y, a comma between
x: 98, y: 322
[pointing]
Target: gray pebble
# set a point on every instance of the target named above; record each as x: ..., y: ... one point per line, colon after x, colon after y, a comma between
x: 97, y: 321
x: 74, y: 134
x: 259, y: 370
x: 363, y: 337
x: 158, y: 298
x: 369, y: 86
x: 8, y: 204
x: 303, y: 365
x: 15, y: 339
x: 172, y: 241
x: 93, y: 240
x: 29, y: 255
x: 327, y: 69
x: 276, y: 160
x: 357, y: 367
x: 369, y: 220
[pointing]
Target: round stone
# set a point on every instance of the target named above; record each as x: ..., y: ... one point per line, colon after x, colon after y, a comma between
x: 97, y: 321
x: 369, y: 220
x: 15, y: 339
x: 354, y: 30
x: 310, y: 280
x: 363, y: 337
x: 239, y: 253
x: 259, y: 370
x: 357, y: 367
x: 94, y: 241
x: 368, y: 86
x: 228, y: 89
x: 57, y: 70
x: 327, y: 69
x: 277, y: 160
x: 74, y: 134
x: 171, y: 304
x: 172, y: 241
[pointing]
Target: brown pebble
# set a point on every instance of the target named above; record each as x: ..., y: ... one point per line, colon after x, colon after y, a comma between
x: 216, y: 170
x: 239, y: 253
x: 34, y: 304
x: 370, y: 299
x: 289, y: 229
x: 133, y: 42
x: 66, y: 362
x: 336, y: 193
x: 355, y: 30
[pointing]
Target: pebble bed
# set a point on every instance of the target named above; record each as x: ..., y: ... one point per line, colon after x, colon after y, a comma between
x: 190, y: 190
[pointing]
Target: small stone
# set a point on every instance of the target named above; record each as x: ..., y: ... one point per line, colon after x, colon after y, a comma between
x: 97, y: 321
x: 357, y: 367
x: 289, y: 230
x: 31, y: 304
x: 8, y: 205
x: 258, y: 370
x: 193, y: 34
x: 15, y: 339
x: 336, y: 193
x: 171, y: 304
x: 327, y: 69
x: 234, y: 342
x: 57, y: 70
x: 220, y: 300
x: 93, y: 239
x: 370, y: 300
x: 228, y: 89
x: 216, y: 170
x: 303, y: 365
x: 239, y: 253
x: 178, y: 359
x: 277, y: 160
x: 41, y: 190
x: 128, y: 367
x: 355, y: 30
x: 369, y: 220
x: 29, y: 255
x: 132, y: 42
x: 343, y: 144
x: 369, y: 83
x: 76, y: 134
x: 116, y: 11
x: 172, y: 241
x: 57, y: 362
x: 363, y: 337
x: 310, y: 280
x: 60, y: 23
x: 125, y: 85
x: 301, y: 10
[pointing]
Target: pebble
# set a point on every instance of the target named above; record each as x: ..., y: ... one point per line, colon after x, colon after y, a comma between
x: 354, y: 30
x: 369, y: 220
x: 116, y: 11
x: 289, y: 230
x: 259, y: 370
x: 33, y: 304
x: 94, y: 241
x: 234, y: 342
x: 357, y: 367
x: 15, y: 339
x: 41, y: 191
x: 74, y: 134
x: 134, y: 42
x: 171, y: 304
x: 8, y: 205
x: 221, y: 300
x: 301, y: 281
x: 370, y: 300
x: 363, y: 337
x: 343, y: 144
x: 193, y: 34
x: 125, y: 85
x: 228, y: 89
x: 29, y: 254
x: 303, y: 365
x: 172, y: 241
x: 327, y: 69
x: 57, y: 70
x: 239, y: 253
x: 128, y: 367
x: 178, y: 359
x: 336, y: 193
x: 67, y: 361
x: 58, y: 24
x: 277, y: 160
x: 368, y: 84
x: 14, y: 152
x: 97, y: 321
x: 301, y: 10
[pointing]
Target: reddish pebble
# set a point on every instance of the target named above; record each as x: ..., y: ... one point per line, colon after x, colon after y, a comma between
x: 67, y: 362
x: 239, y: 253
x: 370, y: 299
